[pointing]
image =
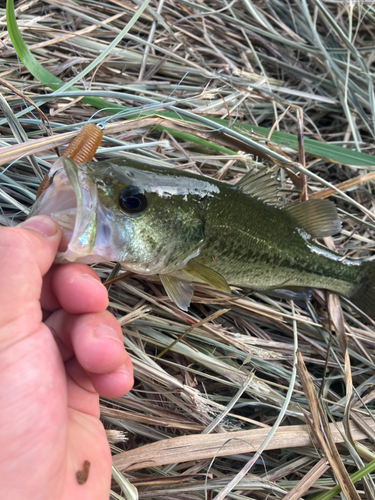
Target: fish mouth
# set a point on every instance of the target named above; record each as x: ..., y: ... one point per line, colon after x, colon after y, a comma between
x: 71, y: 200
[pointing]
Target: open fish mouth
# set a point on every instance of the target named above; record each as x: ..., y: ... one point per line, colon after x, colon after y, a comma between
x: 71, y: 200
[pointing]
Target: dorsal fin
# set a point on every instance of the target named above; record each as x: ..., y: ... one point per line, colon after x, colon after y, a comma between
x: 206, y: 275
x: 261, y: 184
x: 317, y: 217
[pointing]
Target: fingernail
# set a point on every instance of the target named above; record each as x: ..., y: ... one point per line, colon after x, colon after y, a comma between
x: 44, y: 225
x: 106, y: 332
x: 92, y: 278
x: 122, y: 369
x: 89, y: 277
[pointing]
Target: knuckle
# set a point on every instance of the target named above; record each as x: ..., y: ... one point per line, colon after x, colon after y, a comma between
x: 15, y: 239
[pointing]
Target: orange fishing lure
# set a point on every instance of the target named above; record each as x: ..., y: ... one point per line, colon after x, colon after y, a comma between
x: 82, y: 148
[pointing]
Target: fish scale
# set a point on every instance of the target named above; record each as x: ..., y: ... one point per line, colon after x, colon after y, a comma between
x: 270, y: 252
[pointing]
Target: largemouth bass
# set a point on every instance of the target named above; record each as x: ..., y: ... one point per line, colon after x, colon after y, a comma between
x: 189, y: 228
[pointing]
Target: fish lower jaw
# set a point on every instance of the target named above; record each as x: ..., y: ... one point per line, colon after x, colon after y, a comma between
x: 66, y: 219
x: 72, y: 203
x: 59, y: 202
x: 81, y: 257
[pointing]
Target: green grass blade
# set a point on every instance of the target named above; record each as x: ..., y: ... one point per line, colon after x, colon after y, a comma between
x: 35, y: 68
x: 327, y: 495
x: 23, y: 52
x: 329, y: 152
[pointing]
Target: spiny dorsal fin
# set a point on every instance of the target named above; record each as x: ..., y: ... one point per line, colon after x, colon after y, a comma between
x: 261, y: 184
x: 317, y: 217
x: 179, y: 291
x: 206, y: 275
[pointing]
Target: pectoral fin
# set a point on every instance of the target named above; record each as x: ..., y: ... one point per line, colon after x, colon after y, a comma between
x: 179, y: 291
x: 317, y: 217
x: 206, y: 275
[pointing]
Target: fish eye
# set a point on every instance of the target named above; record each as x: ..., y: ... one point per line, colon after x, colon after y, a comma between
x: 132, y: 201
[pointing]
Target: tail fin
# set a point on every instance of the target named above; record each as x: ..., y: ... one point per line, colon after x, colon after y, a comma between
x: 364, y: 295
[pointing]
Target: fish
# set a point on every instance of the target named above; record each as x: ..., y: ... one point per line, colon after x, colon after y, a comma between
x: 190, y: 228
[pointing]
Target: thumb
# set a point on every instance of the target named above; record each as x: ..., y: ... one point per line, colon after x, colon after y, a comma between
x: 26, y: 254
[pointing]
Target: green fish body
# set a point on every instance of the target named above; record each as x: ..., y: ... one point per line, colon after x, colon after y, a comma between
x: 189, y: 228
x: 260, y: 246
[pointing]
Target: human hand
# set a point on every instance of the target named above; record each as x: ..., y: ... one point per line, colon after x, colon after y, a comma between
x: 51, y: 373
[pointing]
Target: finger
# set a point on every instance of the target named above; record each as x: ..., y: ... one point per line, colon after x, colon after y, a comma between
x: 97, y: 362
x: 84, y: 387
x: 75, y: 288
x: 94, y: 339
x: 26, y: 254
x: 78, y: 289
x: 48, y: 300
x: 114, y: 384
x: 82, y: 395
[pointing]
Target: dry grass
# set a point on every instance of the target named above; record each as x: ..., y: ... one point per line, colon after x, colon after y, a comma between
x: 287, y: 66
